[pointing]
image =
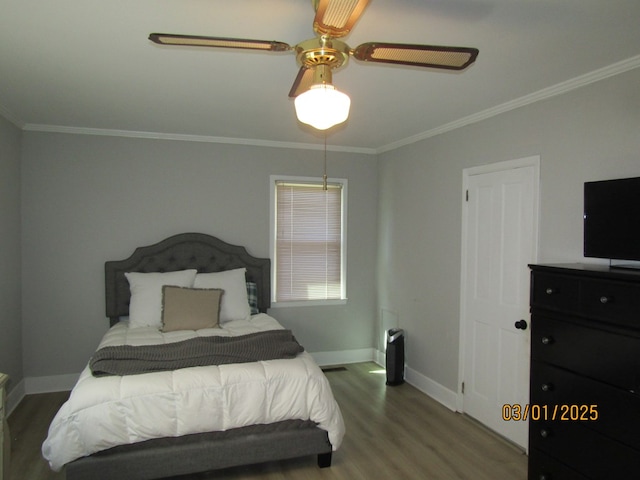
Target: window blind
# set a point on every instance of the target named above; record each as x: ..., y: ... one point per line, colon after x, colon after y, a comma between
x: 308, y: 242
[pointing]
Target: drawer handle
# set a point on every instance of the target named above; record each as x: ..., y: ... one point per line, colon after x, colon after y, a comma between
x: 547, y: 340
x: 544, y: 433
x: 551, y: 291
x: 547, y: 387
x: 604, y: 299
x: 544, y: 476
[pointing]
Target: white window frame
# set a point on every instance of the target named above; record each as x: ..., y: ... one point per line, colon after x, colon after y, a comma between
x: 273, y: 240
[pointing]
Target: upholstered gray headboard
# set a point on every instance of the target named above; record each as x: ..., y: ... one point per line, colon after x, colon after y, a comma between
x: 180, y: 252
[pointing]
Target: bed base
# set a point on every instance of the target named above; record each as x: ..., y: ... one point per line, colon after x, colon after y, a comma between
x: 167, y: 457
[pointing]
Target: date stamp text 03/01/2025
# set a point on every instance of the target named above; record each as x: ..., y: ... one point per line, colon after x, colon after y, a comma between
x: 564, y: 412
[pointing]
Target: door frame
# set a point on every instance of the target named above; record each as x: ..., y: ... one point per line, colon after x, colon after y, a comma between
x: 532, y: 161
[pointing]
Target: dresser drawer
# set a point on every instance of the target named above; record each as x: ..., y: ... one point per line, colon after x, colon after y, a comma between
x: 598, y: 406
x: 607, y: 300
x: 544, y: 467
x: 596, y: 353
x: 610, y: 301
x: 589, y: 453
x: 556, y: 292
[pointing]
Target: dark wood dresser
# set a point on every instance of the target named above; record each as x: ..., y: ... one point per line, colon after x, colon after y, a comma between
x: 584, y: 410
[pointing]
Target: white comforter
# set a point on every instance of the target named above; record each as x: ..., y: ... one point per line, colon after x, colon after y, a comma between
x: 108, y: 411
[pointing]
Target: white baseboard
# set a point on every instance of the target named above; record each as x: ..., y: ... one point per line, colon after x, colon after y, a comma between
x: 432, y: 388
x: 426, y: 385
x: 60, y: 383
x: 15, y: 396
x: 52, y: 383
x: 35, y: 385
x: 343, y: 356
x: 380, y: 358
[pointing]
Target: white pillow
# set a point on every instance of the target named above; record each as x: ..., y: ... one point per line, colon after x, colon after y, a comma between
x: 235, y: 302
x: 145, y: 308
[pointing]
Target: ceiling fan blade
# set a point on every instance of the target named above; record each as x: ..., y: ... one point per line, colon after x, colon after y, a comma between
x: 449, y: 58
x: 302, y: 83
x: 218, y: 42
x: 337, y: 17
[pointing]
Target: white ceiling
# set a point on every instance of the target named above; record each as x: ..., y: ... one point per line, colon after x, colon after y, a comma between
x: 79, y: 65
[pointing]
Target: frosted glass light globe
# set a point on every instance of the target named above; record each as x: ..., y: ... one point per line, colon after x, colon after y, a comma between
x: 322, y: 106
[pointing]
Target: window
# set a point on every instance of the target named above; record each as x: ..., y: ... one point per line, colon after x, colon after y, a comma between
x: 308, y: 241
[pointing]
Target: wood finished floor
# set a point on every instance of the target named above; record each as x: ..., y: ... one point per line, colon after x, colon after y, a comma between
x: 392, y: 433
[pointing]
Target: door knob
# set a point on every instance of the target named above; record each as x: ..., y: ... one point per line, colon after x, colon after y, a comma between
x: 521, y: 324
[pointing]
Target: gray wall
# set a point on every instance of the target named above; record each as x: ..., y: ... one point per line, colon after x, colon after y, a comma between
x: 590, y: 133
x: 88, y: 199
x: 10, y: 272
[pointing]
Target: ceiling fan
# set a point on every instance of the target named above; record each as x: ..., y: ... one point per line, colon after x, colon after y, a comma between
x: 319, y: 56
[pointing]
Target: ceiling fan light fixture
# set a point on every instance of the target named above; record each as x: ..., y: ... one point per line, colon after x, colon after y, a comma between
x: 317, y: 102
x: 322, y: 106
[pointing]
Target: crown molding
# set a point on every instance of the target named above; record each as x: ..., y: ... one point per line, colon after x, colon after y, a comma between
x: 558, y: 89
x: 9, y: 115
x: 192, y: 138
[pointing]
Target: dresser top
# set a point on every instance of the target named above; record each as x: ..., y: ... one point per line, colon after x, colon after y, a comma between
x: 590, y: 270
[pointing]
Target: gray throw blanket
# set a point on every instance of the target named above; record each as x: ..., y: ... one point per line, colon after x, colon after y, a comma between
x: 194, y: 352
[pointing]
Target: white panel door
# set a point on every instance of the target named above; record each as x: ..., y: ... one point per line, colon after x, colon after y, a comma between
x: 499, y: 231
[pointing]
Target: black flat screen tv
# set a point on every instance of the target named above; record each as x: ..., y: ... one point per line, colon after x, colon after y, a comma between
x: 612, y: 219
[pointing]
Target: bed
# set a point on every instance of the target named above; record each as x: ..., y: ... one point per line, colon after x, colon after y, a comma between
x: 302, y: 417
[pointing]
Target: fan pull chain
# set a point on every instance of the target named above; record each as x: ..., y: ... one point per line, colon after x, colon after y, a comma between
x: 324, y: 176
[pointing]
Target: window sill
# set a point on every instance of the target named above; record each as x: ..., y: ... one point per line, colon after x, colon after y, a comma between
x: 309, y: 303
